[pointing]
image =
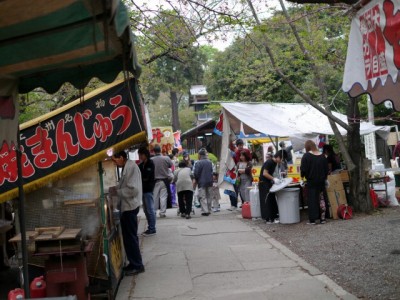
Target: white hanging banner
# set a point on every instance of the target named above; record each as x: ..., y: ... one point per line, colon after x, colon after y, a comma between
x: 370, y: 147
x: 373, y: 53
x: 8, y: 111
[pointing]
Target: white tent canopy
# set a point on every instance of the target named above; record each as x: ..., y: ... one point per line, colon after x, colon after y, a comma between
x: 285, y: 119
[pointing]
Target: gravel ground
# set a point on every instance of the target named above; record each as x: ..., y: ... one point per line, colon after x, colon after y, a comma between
x: 362, y: 255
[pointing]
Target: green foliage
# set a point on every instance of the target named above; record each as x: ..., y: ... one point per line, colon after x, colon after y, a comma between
x: 214, y: 109
x: 213, y: 158
x: 172, y: 63
x: 382, y: 115
x: 195, y: 157
x: 243, y: 72
x: 37, y: 103
x: 187, y: 118
x: 160, y: 113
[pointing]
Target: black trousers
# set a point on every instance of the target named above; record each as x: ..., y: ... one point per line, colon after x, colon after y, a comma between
x: 129, y: 226
x: 185, y: 200
x: 269, y: 207
x: 313, y: 194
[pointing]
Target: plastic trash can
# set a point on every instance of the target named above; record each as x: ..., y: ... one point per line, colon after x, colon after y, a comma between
x: 255, y: 207
x: 288, y: 205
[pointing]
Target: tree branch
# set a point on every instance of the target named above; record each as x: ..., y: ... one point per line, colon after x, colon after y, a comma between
x: 287, y: 80
x: 322, y: 88
x: 331, y: 2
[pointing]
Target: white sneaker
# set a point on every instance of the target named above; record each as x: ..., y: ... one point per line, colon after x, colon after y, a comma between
x: 233, y: 208
x: 276, y: 221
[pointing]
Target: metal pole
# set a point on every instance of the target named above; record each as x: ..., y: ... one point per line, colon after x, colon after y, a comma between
x: 104, y: 211
x: 21, y: 209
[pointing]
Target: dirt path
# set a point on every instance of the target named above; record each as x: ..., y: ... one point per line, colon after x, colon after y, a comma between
x: 362, y: 255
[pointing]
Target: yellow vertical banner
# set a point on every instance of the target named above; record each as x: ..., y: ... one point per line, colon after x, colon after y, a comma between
x: 164, y: 137
x: 255, y: 171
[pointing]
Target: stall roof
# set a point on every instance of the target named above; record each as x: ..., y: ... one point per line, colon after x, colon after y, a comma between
x: 284, y: 119
x: 207, y: 126
x: 44, y: 43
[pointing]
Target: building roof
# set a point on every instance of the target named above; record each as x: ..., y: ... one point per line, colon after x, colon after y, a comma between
x: 197, y: 90
x: 207, y: 126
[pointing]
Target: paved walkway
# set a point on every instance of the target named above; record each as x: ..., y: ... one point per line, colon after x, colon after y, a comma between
x: 221, y: 257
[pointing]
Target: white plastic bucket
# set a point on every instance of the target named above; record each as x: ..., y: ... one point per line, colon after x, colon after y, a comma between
x: 255, y: 203
x: 288, y: 205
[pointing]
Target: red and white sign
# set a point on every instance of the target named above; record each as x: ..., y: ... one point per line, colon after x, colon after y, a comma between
x: 373, y: 55
x: 373, y: 43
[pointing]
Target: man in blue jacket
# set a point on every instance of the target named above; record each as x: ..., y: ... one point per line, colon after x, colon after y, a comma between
x: 203, y: 178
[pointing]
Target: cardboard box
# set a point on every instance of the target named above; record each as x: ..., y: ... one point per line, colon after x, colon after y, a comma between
x: 345, y: 176
x: 335, y: 183
x: 336, y: 194
x: 335, y: 199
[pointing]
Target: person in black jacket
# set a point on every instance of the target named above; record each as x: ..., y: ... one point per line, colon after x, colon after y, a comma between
x: 332, y: 158
x: 314, y: 167
x: 147, y: 169
x: 270, y: 171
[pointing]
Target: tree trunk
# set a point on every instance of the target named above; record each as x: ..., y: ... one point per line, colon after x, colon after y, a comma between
x: 359, y: 192
x: 174, y: 106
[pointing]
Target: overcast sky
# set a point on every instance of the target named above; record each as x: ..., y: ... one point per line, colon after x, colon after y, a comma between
x: 263, y: 8
x: 263, y: 12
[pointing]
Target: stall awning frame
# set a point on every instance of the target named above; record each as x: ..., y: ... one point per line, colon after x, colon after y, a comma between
x: 45, y: 43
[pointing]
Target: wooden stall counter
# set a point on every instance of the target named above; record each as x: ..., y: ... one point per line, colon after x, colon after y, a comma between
x: 48, y: 234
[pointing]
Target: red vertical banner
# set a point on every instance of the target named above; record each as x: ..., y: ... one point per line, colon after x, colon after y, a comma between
x: 391, y: 30
x: 373, y: 43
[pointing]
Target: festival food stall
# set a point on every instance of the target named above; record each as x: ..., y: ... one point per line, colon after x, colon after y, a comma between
x: 72, y: 232
x: 57, y: 42
x: 277, y: 120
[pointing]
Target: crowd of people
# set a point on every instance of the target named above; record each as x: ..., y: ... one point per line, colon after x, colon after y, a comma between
x: 159, y: 179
